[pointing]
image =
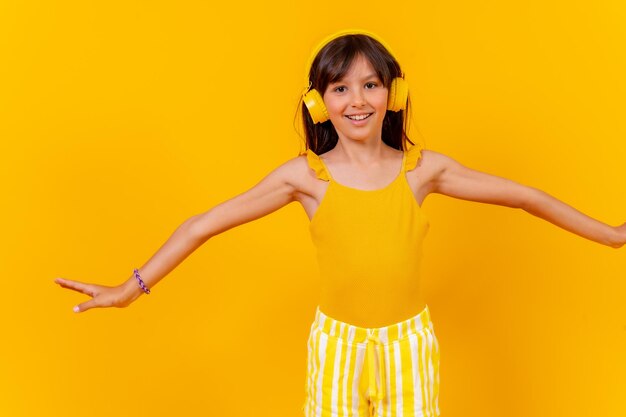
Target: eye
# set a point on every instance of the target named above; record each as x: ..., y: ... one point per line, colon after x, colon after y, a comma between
x: 372, y: 84
x: 336, y: 89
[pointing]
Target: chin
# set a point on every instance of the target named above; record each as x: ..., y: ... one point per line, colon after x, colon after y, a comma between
x: 357, y: 138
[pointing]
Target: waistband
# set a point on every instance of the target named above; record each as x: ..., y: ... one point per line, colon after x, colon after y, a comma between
x: 375, y: 336
x: 384, y: 335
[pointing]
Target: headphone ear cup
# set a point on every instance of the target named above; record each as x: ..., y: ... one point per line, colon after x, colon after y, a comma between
x: 398, y: 94
x: 317, y: 109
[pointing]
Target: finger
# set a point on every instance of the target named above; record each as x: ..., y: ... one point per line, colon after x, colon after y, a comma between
x: 76, y: 286
x: 85, y: 306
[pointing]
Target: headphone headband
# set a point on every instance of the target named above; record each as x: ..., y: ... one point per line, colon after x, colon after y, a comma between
x: 335, y: 35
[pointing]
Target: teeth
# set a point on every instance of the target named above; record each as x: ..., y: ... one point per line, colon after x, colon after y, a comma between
x: 365, y: 116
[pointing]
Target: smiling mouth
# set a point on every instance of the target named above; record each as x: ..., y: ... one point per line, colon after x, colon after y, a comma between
x: 359, y: 117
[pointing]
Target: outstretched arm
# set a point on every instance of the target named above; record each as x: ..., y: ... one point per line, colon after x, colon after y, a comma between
x: 455, y: 180
x: 271, y: 193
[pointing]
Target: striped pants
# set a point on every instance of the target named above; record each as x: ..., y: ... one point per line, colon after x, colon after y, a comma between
x: 390, y: 371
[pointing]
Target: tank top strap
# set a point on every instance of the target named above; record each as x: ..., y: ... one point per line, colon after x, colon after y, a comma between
x: 317, y: 165
x: 411, y: 157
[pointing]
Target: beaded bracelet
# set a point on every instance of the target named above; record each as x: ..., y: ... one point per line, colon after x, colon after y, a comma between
x: 141, y: 284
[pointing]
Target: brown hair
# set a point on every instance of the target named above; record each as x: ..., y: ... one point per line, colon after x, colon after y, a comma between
x: 330, y: 65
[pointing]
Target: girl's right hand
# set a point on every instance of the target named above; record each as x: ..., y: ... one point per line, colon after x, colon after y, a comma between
x: 103, y: 296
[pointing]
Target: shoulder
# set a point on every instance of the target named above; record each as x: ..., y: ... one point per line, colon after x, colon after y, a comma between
x: 296, y: 171
x: 431, y: 165
x: 419, y: 157
x: 439, y: 167
x: 435, y: 160
x: 293, y: 167
x: 314, y: 164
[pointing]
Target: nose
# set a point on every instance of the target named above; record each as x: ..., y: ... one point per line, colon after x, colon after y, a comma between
x: 358, y: 99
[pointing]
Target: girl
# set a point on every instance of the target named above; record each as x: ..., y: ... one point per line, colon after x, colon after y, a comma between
x: 372, y: 346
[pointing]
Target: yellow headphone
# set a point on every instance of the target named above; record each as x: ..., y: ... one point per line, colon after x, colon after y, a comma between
x: 398, y: 91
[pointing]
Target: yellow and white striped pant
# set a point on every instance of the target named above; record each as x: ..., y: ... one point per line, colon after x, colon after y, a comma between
x: 390, y: 371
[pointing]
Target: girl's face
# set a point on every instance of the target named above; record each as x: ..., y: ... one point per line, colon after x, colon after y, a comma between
x: 359, y: 93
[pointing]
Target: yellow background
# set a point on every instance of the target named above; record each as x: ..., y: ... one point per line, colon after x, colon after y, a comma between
x: 120, y: 120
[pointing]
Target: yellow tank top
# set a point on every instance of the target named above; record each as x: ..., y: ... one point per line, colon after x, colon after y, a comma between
x: 369, y: 248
